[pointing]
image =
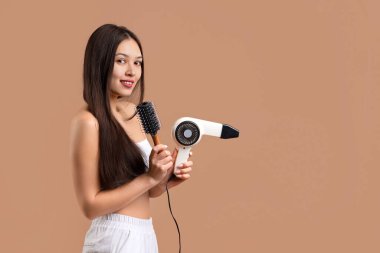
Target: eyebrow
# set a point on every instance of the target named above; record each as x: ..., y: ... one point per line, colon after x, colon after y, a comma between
x: 127, y: 55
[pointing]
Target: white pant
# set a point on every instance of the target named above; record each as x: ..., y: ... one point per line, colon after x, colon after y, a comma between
x: 117, y: 233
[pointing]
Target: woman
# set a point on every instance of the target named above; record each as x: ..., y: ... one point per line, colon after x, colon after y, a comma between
x: 115, y: 169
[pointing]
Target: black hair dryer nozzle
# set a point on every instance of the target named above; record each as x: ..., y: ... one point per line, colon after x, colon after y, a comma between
x: 229, y: 132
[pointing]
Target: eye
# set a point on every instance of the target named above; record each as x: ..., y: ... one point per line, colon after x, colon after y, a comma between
x: 138, y: 63
x: 121, y: 60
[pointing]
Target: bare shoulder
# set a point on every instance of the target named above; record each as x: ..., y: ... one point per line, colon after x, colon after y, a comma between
x: 84, y: 133
x: 84, y: 139
x: 84, y: 119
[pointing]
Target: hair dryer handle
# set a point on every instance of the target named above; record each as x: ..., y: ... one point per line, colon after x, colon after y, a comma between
x: 182, y: 156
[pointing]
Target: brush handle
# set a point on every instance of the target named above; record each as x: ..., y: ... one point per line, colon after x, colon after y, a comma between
x: 156, y: 140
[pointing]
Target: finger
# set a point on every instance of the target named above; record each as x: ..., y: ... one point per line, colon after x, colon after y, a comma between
x: 185, y: 171
x: 191, y: 153
x: 181, y: 172
x: 163, y: 154
x: 157, y: 149
x: 178, y: 168
x: 181, y: 168
x: 167, y: 166
x: 183, y: 176
x: 165, y: 160
x: 187, y: 164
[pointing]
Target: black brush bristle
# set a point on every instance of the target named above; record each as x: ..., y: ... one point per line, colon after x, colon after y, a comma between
x: 148, y: 118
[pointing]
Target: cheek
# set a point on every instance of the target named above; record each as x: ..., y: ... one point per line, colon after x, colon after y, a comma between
x: 113, y: 81
x: 117, y: 72
x: 139, y: 73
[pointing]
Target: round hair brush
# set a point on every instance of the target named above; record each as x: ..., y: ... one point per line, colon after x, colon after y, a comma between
x: 149, y: 120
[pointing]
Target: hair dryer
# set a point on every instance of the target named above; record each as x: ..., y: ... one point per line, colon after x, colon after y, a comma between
x: 188, y: 132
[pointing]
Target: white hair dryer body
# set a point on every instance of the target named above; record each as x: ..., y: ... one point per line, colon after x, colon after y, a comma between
x: 188, y: 132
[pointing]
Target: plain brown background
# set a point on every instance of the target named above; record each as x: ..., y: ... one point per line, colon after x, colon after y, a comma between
x: 300, y: 79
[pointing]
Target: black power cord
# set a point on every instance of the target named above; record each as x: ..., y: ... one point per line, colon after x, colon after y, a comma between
x: 170, y: 208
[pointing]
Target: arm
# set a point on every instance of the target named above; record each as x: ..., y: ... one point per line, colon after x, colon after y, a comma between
x: 84, y: 157
x: 158, y: 190
x: 112, y: 200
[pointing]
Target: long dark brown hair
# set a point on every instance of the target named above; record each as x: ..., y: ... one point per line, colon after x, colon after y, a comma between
x: 120, y: 159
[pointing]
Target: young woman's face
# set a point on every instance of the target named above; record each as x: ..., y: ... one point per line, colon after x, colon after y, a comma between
x: 127, y: 68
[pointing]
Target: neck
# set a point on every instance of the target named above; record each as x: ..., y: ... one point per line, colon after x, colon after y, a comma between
x: 121, y: 107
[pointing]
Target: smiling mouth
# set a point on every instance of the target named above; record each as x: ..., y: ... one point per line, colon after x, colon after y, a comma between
x: 126, y: 83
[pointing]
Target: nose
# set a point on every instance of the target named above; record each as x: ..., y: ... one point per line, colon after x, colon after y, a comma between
x: 130, y: 71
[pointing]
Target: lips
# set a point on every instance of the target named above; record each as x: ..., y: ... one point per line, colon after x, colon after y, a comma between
x: 127, y: 83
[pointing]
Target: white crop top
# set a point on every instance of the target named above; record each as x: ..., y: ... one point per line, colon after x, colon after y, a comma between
x: 145, y: 148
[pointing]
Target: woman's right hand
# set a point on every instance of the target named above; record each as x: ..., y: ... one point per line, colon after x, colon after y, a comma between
x: 160, y: 161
